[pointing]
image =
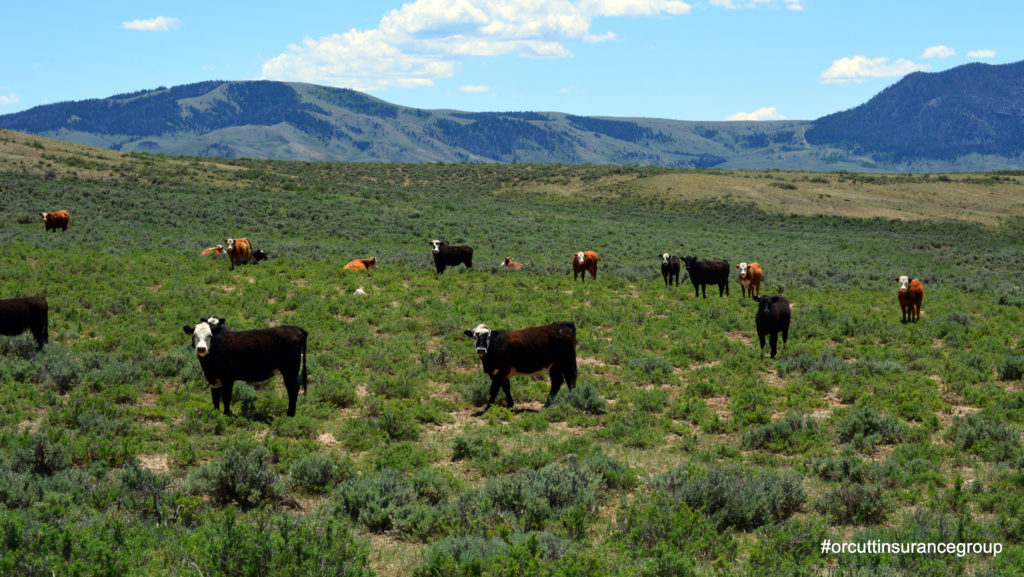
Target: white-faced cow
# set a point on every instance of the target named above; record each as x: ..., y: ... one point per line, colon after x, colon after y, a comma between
x: 773, y: 313
x: 910, y: 294
x: 18, y: 315
x: 56, y: 219
x: 227, y: 356
x: 670, y: 268
x: 446, y: 255
x: 750, y: 278
x: 528, y: 351
x: 705, y: 272
x: 583, y: 261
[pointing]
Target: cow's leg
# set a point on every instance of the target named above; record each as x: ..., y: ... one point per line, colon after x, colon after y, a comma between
x: 557, y: 378
x: 292, y: 386
x: 497, y: 380
x: 760, y: 337
x: 507, y: 387
x: 774, y: 338
x: 225, y: 396
x: 215, y: 394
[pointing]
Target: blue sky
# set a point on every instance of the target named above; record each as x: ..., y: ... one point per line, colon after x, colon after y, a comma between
x: 684, y: 60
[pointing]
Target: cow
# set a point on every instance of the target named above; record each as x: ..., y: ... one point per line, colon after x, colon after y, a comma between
x: 362, y: 263
x: 446, y: 255
x: 772, y: 318
x: 910, y: 294
x: 239, y: 251
x: 214, y: 250
x: 750, y: 278
x: 508, y: 262
x: 582, y: 262
x: 255, y: 355
x: 258, y: 255
x: 18, y: 315
x: 506, y: 354
x: 705, y: 272
x: 670, y: 268
x: 54, y: 220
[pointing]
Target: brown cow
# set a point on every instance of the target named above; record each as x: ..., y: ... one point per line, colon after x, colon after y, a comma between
x: 582, y: 262
x: 362, y: 263
x: 214, y: 250
x: 910, y: 294
x: 57, y: 219
x: 239, y: 251
x: 512, y: 264
x: 750, y: 278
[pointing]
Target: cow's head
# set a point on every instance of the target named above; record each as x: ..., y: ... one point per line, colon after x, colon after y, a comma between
x: 664, y: 257
x: 742, y: 267
x: 482, y: 335
x: 689, y: 261
x: 507, y: 261
x: 371, y: 262
x: 230, y: 242
x: 437, y: 244
x: 45, y: 215
x: 259, y: 255
x: 202, y: 334
x: 765, y: 303
x: 904, y: 282
x: 579, y: 257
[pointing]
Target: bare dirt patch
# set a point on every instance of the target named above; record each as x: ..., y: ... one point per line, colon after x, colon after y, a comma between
x: 154, y: 463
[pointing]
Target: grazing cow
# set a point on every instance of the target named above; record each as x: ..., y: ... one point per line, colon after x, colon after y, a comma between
x: 362, y: 263
x: 512, y: 264
x: 529, y: 351
x: 705, y: 272
x: 582, y: 262
x: 670, y: 268
x: 750, y: 278
x: 57, y: 219
x: 214, y: 250
x: 910, y: 294
x: 18, y: 315
x: 772, y: 318
x: 446, y: 255
x: 239, y: 251
x: 258, y: 255
x: 227, y: 356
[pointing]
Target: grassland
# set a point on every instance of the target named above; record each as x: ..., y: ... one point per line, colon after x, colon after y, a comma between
x: 684, y: 451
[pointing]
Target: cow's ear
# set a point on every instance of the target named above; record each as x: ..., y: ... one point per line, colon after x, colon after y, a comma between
x: 468, y: 333
x: 188, y: 330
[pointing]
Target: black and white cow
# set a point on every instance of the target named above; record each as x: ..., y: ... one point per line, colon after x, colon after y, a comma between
x: 773, y: 313
x: 528, y: 351
x: 670, y: 268
x: 18, y: 315
x: 256, y: 355
x: 705, y: 272
x: 258, y: 255
x: 446, y: 255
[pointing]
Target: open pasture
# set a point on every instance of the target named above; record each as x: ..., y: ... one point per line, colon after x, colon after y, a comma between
x: 683, y: 450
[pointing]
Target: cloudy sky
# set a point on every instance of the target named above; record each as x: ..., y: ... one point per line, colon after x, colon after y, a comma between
x: 685, y: 60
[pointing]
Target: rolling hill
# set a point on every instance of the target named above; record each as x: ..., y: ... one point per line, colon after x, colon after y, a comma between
x: 966, y: 118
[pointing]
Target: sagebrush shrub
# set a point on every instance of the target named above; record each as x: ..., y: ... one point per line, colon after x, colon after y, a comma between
x: 244, y: 475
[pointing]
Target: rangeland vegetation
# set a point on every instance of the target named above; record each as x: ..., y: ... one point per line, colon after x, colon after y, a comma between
x: 683, y: 450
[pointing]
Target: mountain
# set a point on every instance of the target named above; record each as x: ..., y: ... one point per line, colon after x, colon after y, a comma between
x: 966, y: 118
x: 975, y: 109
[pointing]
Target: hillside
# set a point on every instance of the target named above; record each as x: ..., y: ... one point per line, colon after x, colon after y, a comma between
x: 682, y: 451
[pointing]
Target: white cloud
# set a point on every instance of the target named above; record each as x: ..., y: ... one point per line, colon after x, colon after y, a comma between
x: 474, y: 88
x: 981, y: 54
x: 770, y: 113
x: 795, y: 5
x: 9, y: 99
x: 426, y: 40
x: 860, y: 68
x: 938, y: 52
x: 158, y: 24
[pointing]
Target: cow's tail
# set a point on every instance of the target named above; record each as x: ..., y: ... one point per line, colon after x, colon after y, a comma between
x: 305, y: 377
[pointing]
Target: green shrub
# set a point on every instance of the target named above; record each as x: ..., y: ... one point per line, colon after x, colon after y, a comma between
x: 780, y: 435
x: 584, y: 398
x: 1012, y: 368
x: 315, y: 473
x: 854, y: 503
x: 474, y: 447
x: 43, y: 453
x: 396, y: 501
x: 865, y: 427
x: 847, y: 467
x: 993, y: 441
x: 244, y: 475
x: 788, y: 548
x: 654, y: 524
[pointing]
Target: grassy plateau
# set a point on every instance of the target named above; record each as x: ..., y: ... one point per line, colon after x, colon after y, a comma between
x: 684, y: 450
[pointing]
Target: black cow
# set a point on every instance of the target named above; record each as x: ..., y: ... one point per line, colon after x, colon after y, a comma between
x: 259, y: 255
x: 705, y: 272
x: 446, y: 255
x: 772, y: 318
x: 670, y: 268
x: 529, y: 351
x: 18, y: 315
x: 227, y: 356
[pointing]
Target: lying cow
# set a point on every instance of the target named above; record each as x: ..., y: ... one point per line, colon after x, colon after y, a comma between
x: 56, y: 219
x: 582, y: 262
x: 670, y: 268
x: 773, y: 313
x: 18, y: 315
x: 227, y: 356
x: 529, y: 351
x: 750, y: 278
x: 910, y: 294
x: 258, y: 255
x: 446, y: 255
x: 239, y: 251
x: 705, y: 272
x: 509, y: 263
x: 362, y: 264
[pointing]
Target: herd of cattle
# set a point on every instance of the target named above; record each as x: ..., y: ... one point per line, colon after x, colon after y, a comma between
x: 226, y: 356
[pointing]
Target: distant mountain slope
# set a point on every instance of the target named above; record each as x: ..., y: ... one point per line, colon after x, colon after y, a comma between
x: 970, y: 109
